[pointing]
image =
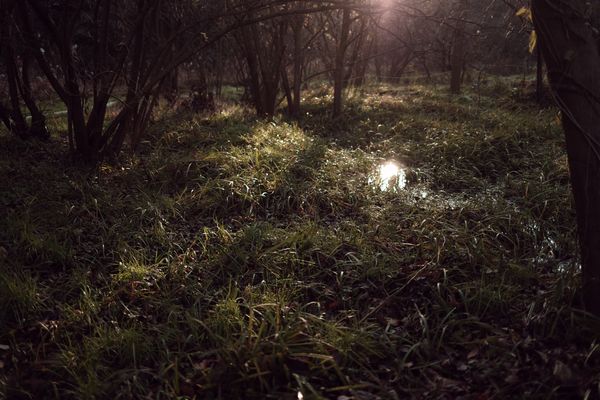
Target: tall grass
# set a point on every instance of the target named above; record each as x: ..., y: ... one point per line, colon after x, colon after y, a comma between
x: 237, y: 258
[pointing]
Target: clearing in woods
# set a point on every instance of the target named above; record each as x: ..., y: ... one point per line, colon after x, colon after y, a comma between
x: 421, y: 246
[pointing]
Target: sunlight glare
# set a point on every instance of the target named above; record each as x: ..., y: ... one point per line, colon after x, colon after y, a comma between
x: 389, y: 170
x: 390, y: 176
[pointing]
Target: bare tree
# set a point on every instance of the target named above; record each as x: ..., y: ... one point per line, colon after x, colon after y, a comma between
x: 457, y: 59
x: 17, y: 61
x: 292, y: 82
x: 340, y: 56
x: 263, y: 48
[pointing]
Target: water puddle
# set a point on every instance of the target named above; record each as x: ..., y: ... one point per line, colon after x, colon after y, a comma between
x: 548, y: 250
x: 568, y: 266
x: 389, y: 176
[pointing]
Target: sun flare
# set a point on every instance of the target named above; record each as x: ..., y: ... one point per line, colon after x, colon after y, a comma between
x: 389, y: 176
x: 388, y: 170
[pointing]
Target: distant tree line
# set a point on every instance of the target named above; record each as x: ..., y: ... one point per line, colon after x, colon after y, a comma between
x: 92, y: 55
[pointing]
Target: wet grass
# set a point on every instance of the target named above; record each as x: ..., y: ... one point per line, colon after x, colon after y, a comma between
x: 237, y: 258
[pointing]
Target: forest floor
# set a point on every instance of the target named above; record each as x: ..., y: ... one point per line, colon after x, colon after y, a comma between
x: 238, y: 258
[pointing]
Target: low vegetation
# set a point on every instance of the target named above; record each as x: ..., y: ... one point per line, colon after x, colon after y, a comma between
x: 238, y: 258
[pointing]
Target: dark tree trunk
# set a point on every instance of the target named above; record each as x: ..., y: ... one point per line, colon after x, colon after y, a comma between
x: 219, y: 70
x: 400, y: 65
x: 339, y: 75
x: 38, y: 120
x: 570, y: 49
x: 298, y: 64
x: 378, y: 59
x: 264, y: 63
x: 144, y: 66
x: 287, y: 90
x: 18, y: 123
x: 458, y: 58
x: 170, y: 86
x: 539, y: 81
x: 5, y: 116
x: 353, y: 70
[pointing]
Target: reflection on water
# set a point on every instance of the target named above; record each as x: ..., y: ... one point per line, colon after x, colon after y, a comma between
x: 568, y: 266
x: 389, y: 176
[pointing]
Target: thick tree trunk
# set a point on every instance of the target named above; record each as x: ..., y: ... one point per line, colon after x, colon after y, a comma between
x: 570, y: 49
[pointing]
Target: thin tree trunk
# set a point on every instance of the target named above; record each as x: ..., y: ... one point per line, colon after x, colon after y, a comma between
x: 38, y: 121
x: 458, y: 57
x: 353, y: 69
x: 5, y: 116
x: 400, y: 67
x: 285, y: 84
x: 297, y: 30
x: 338, y: 76
x: 539, y: 81
x: 19, y: 125
x: 570, y: 49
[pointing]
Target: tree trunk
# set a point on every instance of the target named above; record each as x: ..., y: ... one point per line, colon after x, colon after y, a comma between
x: 38, y: 120
x: 297, y: 28
x: 18, y: 123
x: 353, y: 70
x: 285, y: 84
x: 339, y: 75
x: 458, y: 57
x: 570, y: 50
x: 400, y: 66
x: 539, y: 80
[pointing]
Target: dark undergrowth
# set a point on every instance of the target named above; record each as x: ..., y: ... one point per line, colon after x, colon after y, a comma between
x: 236, y: 258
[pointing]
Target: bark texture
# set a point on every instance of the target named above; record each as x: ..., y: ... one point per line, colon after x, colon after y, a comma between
x: 569, y: 43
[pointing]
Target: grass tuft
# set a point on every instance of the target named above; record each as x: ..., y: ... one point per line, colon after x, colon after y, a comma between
x: 239, y: 258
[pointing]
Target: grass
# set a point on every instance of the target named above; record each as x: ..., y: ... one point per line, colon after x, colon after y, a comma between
x: 238, y: 258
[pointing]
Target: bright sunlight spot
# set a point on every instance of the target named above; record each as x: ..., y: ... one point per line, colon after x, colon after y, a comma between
x: 389, y: 176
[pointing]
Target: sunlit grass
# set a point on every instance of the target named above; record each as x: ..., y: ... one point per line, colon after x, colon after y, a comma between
x: 415, y: 248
